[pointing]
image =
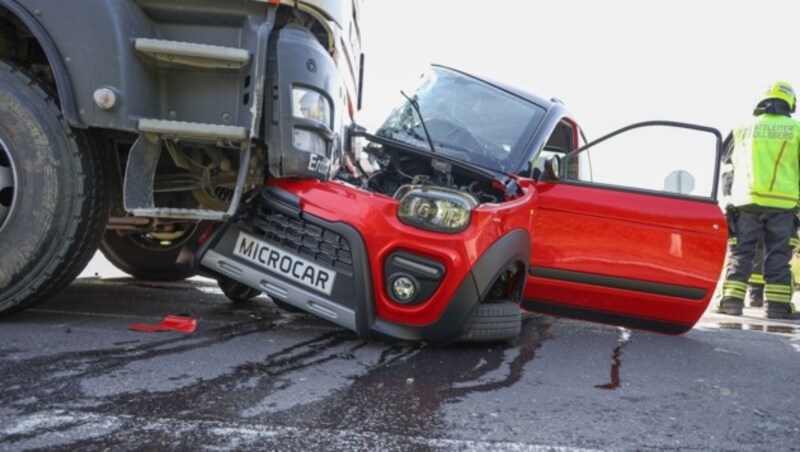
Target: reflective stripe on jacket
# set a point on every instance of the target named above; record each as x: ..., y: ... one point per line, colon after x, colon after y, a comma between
x: 766, y: 163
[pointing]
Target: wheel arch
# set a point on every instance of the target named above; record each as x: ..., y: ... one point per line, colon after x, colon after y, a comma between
x: 62, y: 82
x: 509, y: 255
x: 513, y: 249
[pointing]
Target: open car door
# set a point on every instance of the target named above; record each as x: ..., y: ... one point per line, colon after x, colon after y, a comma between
x: 628, y: 230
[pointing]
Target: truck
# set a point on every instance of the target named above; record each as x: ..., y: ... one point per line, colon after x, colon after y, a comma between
x: 133, y: 125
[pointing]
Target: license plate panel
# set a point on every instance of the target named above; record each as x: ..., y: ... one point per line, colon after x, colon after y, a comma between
x: 289, y: 265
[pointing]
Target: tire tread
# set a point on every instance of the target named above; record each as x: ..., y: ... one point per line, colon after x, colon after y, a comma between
x: 83, y: 233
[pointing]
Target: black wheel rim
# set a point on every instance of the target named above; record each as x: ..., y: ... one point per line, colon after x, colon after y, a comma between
x: 154, y: 241
x: 8, y: 185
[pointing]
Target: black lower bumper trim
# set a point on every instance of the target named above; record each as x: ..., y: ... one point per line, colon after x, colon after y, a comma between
x: 605, y: 317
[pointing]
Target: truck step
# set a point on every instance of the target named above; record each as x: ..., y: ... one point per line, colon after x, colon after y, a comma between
x: 193, y: 130
x: 171, y: 212
x: 193, y: 54
x: 139, y: 184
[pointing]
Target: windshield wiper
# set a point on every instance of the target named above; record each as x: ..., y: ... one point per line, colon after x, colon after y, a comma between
x: 415, y: 104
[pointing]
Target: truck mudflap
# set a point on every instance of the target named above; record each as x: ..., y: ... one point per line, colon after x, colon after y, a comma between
x: 305, y: 261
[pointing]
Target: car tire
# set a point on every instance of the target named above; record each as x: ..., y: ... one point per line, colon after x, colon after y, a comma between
x: 145, y: 257
x: 53, y: 200
x: 236, y: 291
x: 286, y: 306
x: 493, y: 321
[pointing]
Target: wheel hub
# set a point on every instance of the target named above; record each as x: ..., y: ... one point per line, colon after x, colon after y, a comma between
x: 8, y: 181
x: 164, y: 240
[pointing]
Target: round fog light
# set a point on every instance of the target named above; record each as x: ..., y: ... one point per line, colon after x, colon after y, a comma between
x: 403, y: 289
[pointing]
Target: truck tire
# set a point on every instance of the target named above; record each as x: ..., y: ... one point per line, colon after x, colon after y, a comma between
x: 145, y: 256
x: 53, y: 204
x: 493, y: 321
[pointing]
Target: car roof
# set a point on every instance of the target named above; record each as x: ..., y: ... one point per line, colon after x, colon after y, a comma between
x: 530, y: 97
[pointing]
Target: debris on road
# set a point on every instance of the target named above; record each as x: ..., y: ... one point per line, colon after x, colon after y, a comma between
x: 182, y: 324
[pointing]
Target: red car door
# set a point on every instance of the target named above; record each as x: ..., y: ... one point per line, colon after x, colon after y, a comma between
x: 636, y: 254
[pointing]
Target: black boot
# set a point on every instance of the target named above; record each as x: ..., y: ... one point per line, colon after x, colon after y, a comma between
x: 731, y: 306
x: 755, y: 296
x: 781, y: 311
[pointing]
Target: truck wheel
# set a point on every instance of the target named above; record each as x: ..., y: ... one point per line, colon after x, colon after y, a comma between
x: 151, y: 255
x: 53, y: 204
x: 493, y: 321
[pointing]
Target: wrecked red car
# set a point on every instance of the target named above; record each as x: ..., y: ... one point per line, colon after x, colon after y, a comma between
x: 475, y: 200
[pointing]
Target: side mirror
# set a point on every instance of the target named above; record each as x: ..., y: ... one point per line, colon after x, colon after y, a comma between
x: 552, y: 168
x: 354, y: 141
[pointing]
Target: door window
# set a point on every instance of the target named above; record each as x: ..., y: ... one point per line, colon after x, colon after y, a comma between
x: 671, y: 158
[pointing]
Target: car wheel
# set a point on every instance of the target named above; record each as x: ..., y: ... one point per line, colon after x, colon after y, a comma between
x: 151, y: 255
x: 286, y: 306
x: 493, y: 321
x: 236, y: 291
x: 53, y: 200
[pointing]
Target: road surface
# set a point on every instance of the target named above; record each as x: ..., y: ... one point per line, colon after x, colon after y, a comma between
x: 255, y: 377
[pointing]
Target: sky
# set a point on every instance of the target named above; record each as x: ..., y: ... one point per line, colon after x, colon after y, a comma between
x: 613, y: 62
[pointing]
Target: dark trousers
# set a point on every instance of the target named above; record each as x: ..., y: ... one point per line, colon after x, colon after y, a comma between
x: 756, y: 282
x: 779, y: 229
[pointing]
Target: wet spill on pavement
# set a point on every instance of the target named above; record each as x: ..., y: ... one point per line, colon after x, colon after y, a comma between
x: 330, y: 380
x: 782, y: 329
x: 616, y: 361
x: 775, y: 328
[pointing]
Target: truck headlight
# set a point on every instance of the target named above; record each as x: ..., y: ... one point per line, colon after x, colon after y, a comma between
x: 311, y: 105
x: 308, y: 140
x: 435, y: 208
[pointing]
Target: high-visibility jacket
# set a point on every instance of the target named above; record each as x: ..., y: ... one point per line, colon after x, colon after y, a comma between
x: 766, y: 163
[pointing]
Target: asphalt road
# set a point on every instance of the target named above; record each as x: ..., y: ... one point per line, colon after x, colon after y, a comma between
x: 255, y: 377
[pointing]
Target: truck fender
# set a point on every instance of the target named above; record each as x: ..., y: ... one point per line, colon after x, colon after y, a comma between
x: 63, y: 85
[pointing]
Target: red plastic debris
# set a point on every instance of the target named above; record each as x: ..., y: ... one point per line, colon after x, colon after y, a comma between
x: 180, y: 323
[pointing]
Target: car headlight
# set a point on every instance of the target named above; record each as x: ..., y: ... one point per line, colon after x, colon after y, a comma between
x: 435, y: 208
x: 311, y: 105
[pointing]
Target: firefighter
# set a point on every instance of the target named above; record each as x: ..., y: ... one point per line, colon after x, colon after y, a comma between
x: 764, y: 193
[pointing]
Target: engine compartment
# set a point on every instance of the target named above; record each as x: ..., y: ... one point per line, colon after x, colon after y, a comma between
x: 388, y: 169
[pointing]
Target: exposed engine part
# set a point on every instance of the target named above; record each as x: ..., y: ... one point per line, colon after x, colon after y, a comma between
x: 393, y: 169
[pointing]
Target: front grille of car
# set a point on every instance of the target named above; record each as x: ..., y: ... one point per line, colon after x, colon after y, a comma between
x: 310, y: 241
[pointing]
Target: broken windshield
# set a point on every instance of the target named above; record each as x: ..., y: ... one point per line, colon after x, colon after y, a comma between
x: 466, y: 118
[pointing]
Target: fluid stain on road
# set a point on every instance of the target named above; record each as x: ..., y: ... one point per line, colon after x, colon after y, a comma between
x: 616, y: 361
x: 405, y: 395
x: 320, y: 379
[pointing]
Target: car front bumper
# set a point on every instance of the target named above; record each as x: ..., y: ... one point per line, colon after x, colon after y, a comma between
x: 337, y: 271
